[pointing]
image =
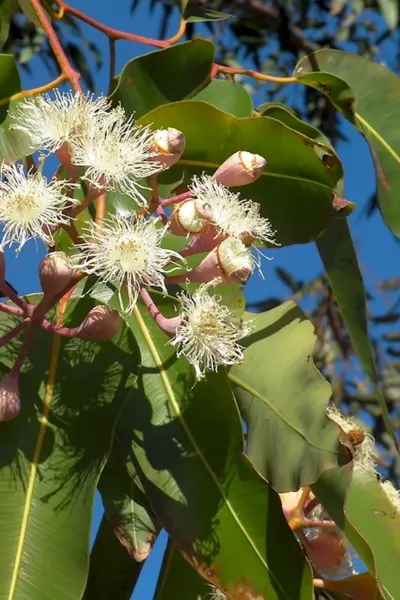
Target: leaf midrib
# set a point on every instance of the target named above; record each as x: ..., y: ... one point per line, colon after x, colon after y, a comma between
x: 175, y: 405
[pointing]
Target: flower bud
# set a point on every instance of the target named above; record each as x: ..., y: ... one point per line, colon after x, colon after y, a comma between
x: 240, y: 169
x: 235, y: 259
x: 100, y: 325
x: 168, y: 145
x: 55, y: 272
x: 10, y: 403
x: 326, y: 550
x: 185, y: 219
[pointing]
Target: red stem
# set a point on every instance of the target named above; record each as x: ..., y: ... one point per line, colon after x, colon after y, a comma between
x: 13, y: 333
x: 11, y: 310
x: 65, y: 331
x: 167, y: 325
x: 72, y: 75
x: 5, y: 288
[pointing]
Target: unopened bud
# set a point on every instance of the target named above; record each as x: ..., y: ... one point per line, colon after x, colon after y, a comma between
x: 326, y: 550
x: 10, y: 403
x: 100, y: 325
x: 240, y: 169
x: 185, y: 219
x: 168, y: 144
x: 235, y: 259
x: 55, y: 272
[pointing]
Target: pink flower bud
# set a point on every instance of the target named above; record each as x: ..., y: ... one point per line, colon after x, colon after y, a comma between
x: 10, y: 403
x: 185, y: 219
x: 55, y: 272
x: 168, y: 145
x: 100, y: 325
x: 240, y: 169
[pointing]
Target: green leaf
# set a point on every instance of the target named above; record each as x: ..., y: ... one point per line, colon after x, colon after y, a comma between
x: 374, y: 87
x: 295, y: 190
x: 8, y: 8
x: 360, y: 507
x: 283, y: 396
x: 227, y: 96
x: 164, y: 76
x: 126, y: 505
x: 338, y: 91
x: 192, y: 13
x: 13, y: 144
x: 52, y: 455
x: 112, y: 572
x: 187, y: 442
x: 338, y: 254
x: 178, y: 580
x: 390, y: 12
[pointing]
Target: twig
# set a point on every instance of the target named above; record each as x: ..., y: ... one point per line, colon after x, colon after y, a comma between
x: 66, y: 69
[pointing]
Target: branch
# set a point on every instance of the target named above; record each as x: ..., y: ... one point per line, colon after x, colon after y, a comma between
x: 66, y: 69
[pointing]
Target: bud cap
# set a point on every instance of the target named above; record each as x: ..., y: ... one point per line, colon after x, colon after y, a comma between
x: 168, y: 146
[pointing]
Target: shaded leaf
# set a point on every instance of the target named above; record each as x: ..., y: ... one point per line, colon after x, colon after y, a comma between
x: 339, y: 257
x: 187, y: 443
x: 164, y: 76
x: 52, y: 455
x: 112, y: 572
x: 282, y: 396
x: 360, y: 507
x: 126, y: 506
x: 295, y: 190
x: 178, y: 580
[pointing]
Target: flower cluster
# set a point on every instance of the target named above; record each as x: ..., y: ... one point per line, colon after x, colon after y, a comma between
x: 102, y: 150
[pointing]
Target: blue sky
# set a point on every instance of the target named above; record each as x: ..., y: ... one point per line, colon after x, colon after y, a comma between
x: 378, y: 252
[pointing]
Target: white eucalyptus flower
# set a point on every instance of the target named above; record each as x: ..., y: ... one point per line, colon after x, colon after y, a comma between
x: 209, y: 333
x: 392, y: 494
x: 51, y: 120
x: 364, y: 452
x: 126, y: 254
x: 30, y: 206
x: 117, y: 156
x: 230, y: 215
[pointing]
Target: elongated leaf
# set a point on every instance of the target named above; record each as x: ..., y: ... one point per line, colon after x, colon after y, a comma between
x: 282, y: 396
x: 13, y: 144
x: 164, y: 76
x: 296, y: 188
x: 390, y: 12
x: 227, y: 96
x: 187, y: 443
x: 360, y: 507
x: 337, y: 252
x: 191, y: 12
x: 126, y: 505
x: 178, y: 580
x: 52, y: 455
x: 376, y: 124
x: 112, y: 571
x: 8, y: 8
